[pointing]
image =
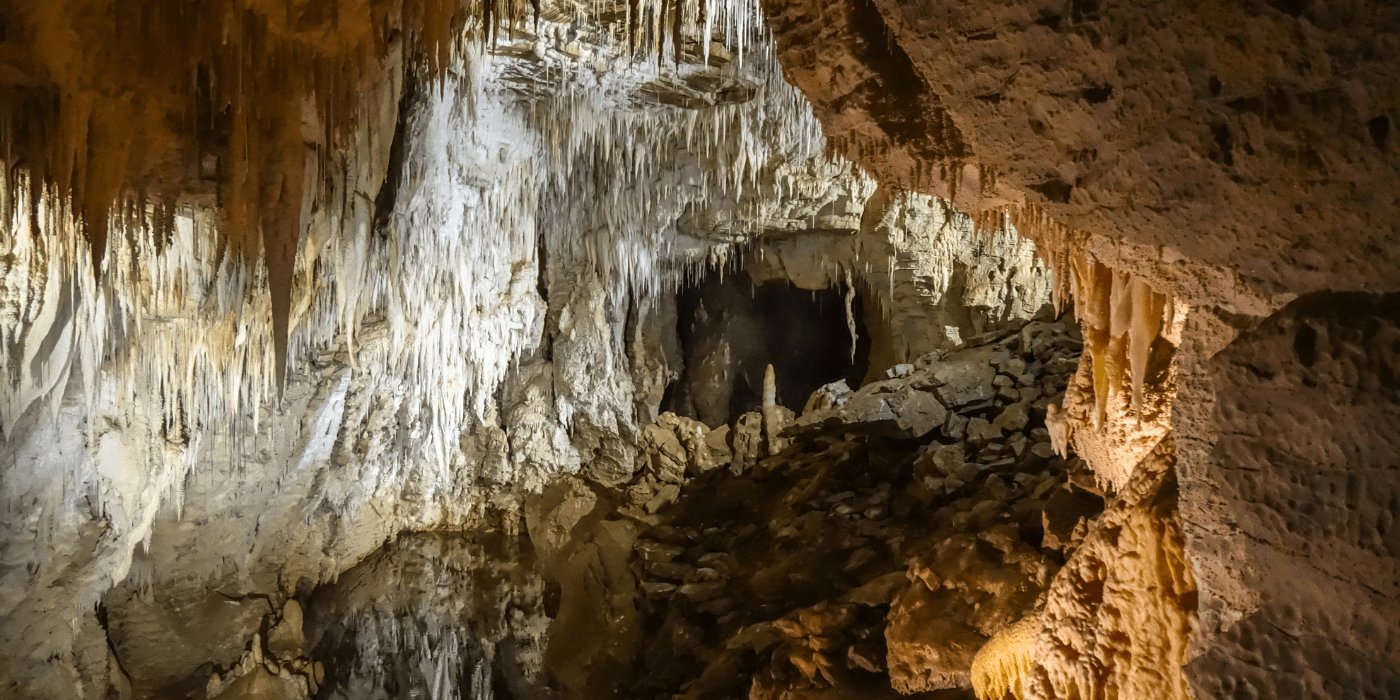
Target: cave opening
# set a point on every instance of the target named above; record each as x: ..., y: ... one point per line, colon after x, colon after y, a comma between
x: 731, y: 328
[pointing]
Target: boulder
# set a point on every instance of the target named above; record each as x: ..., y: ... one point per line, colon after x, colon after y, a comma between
x: 947, y: 458
x: 286, y: 640
x: 662, y: 454
x: 916, y: 412
x: 955, y: 427
x: 747, y: 444
x: 1013, y: 418
x: 966, y: 377
x: 980, y: 430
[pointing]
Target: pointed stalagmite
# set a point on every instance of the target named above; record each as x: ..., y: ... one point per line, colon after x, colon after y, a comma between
x: 770, y: 388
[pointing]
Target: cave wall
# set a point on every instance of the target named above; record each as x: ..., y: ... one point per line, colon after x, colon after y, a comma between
x: 915, y: 275
x: 420, y: 332
x: 926, y: 278
x: 1294, y: 541
x: 189, y: 425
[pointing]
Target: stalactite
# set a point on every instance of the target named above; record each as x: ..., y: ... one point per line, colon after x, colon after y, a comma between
x: 180, y: 323
x: 1121, y: 316
x: 1002, y: 663
x: 284, y: 81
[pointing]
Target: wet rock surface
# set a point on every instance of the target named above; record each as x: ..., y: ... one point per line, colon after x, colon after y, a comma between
x: 450, y: 614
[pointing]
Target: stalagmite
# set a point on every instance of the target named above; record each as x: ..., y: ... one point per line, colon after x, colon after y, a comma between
x: 776, y: 418
x: 770, y: 388
x: 850, y: 313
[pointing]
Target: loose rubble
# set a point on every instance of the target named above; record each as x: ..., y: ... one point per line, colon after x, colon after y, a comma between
x: 877, y: 541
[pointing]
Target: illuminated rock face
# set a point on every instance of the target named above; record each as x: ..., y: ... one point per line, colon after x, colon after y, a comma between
x: 283, y: 280
x: 470, y: 316
x: 1213, y: 164
x: 1214, y: 151
x: 1295, y: 547
x: 1118, y: 620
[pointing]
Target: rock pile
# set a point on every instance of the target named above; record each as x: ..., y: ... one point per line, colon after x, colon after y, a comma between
x: 876, y: 542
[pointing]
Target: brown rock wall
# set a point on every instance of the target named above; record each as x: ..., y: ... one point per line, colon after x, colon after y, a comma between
x: 1292, y: 500
x: 1232, y: 155
x: 1227, y: 150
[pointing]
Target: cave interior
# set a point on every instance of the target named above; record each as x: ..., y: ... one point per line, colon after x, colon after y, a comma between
x: 766, y: 349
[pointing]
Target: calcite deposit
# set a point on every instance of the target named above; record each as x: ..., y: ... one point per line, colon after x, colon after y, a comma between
x: 767, y: 348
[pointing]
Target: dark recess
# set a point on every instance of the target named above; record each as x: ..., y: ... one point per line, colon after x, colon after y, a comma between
x: 802, y: 333
x: 1224, y: 144
x: 1080, y: 9
x: 1054, y: 190
x: 384, y: 200
x: 1380, y: 129
x: 1305, y: 345
x: 1098, y: 95
x: 1292, y: 8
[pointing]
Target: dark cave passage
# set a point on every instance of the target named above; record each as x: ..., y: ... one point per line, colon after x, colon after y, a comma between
x: 731, y: 329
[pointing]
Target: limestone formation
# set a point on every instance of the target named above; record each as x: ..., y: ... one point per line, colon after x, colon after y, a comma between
x: 789, y: 349
x: 1131, y: 579
x: 1293, y: 545
x: 1002, y: 664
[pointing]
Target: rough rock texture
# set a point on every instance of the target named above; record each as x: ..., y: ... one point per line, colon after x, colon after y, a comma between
x: 1222, y: 152
x: 268, y: 105
x: 1294, y: 541
x: 872, y: 555
x: 1002, y: 664
x: 964, y: 593
x: 364, y: 273
x: 1228, y: 156
x: 1119, y: 617
x: 1131, y: 583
